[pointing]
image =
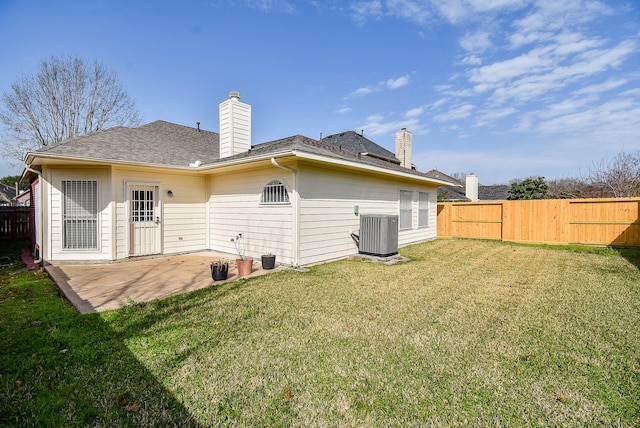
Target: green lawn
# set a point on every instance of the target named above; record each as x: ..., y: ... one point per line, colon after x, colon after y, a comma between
x: 466, y: 333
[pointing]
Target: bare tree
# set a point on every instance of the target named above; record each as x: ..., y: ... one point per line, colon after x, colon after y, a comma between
x: 66, y: 98
x: 619, y: 177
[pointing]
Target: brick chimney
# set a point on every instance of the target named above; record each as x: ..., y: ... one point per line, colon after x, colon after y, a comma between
x: 403, y: 147
x: 235, y: 126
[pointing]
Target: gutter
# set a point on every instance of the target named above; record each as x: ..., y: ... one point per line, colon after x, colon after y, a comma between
x: 296, y: 212
x: 38, y: 198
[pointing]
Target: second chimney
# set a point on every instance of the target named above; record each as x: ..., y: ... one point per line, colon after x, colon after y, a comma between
x: 235, y: 126
x: 471, y: 187
x: 403, y: 147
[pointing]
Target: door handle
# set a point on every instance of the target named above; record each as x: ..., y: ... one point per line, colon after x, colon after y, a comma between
x: 157, y: 220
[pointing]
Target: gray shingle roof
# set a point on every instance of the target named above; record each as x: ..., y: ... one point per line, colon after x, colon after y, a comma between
x: 352, y: 141
x: 167, y: 144
x: 497, y: 192
x: 156, y: 143
x: 7, y: 193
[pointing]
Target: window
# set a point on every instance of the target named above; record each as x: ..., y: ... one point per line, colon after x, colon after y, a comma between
x: 80, y: 214
x: 275, y: 192
x: 142, y: 205
x: 423, y: 209
x: 406, y: 209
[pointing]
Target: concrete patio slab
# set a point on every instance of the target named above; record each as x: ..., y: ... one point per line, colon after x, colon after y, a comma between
x: 97, y: 287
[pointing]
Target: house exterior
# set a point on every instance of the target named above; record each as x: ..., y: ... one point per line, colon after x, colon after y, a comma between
x: 7, y: 195
x: 469, y: 190
x: 163, y: 188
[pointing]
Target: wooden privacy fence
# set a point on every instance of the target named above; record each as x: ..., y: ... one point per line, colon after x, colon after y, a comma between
x: 612, y: 222
x: 15, y: 222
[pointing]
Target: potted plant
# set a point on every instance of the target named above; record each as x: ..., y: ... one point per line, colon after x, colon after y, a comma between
x: 244, y: 264
x: 219, y: 270
x: 268, y: 261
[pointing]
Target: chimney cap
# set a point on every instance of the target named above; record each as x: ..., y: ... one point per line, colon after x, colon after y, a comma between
x: 234, y: 94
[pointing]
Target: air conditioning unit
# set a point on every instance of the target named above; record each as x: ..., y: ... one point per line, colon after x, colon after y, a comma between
x: 378, y: 235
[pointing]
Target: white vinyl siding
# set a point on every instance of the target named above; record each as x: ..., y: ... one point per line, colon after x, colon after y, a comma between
x: 235, y: 207
x: 68, y: 227
x: 423, y: 209
x: 80, y: 214
x: 406, y: 209
x: 182, y: 215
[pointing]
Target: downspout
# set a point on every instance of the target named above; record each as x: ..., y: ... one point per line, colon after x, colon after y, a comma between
x: 38, y: 198
x: 296, y: 214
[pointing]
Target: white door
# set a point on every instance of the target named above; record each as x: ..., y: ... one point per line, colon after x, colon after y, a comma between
x: 144, y: 220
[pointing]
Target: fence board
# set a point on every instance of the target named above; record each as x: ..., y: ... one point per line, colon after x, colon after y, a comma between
x: 15, y: 222
x: 577, y: 221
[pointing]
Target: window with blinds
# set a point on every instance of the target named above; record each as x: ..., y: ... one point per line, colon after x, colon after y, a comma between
x: 80, y: 214
x: 423, y: 209
x: 406, y: 209
x: 275, y: 192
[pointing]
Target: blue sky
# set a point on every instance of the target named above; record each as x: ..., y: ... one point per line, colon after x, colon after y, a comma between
x: 503, y: 88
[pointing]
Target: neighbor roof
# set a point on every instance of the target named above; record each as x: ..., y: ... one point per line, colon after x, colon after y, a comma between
x: 7, y: 193
x: 358, y: 143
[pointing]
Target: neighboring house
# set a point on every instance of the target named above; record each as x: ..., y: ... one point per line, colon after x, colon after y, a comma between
x: 164, y: 188
x: 23, y: 199
x: 469, y: 190
x: 7, y: 193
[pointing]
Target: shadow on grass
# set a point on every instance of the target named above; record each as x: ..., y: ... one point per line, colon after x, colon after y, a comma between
x: 631, y: 254
x: 60, y: 368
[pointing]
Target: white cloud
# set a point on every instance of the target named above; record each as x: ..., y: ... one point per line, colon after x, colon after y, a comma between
x: 601, y: 87
x: 390, y: 84
x: 487, y: 117
x: 417, y: 11
x: 344, y: 110
x: 415, y: 112
x: 365, y: 10
x: 458, y: 112
x: 398, y: 83
x: 477, y: 42
x: 377, y: 125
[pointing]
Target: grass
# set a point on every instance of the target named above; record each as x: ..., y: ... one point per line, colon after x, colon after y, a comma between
x: 466, y: 333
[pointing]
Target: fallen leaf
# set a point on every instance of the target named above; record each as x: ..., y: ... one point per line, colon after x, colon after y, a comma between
x: 288, y: 393
x: 133, y: 408
x: 370, y: 317
x: 33, y: 356
x: 216, y: 323
x: 63, y: 351
x: 19, y: 383
x: 122, y: 400
x: 561, y: 399
x: 36, y: 322
x: 52, y: 329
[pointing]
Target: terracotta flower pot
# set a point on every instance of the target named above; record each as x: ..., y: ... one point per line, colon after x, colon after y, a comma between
x: 245, y: 266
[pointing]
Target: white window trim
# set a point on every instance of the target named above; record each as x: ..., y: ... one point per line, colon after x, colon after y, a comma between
x: 400, y: 225
x: 286, y: 189
x: 427, y: 209
x: 97, y: 248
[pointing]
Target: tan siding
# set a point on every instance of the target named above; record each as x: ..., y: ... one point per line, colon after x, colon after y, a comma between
x: 327, y: 216
x: 183, y: 216
x: 56, y: 176
x: 234, y: 207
